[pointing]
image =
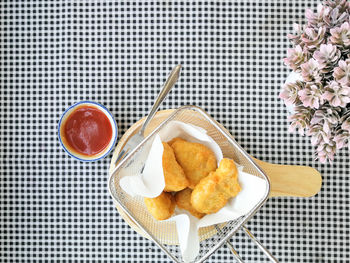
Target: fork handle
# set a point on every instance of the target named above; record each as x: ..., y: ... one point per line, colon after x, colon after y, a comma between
x: 171, y: 80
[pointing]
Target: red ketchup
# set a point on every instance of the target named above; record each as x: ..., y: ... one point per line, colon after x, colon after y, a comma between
x: 87, y: 131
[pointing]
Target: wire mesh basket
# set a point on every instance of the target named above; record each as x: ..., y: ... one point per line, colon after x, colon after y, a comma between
x: 164, y: 233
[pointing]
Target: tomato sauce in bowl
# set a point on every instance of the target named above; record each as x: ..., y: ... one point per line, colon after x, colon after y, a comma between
x: 87, y: 131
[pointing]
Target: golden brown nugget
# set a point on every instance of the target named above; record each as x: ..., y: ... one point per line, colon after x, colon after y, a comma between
x: 183, y: 200
x: 213, y: 191
x: 174, y: 140
x: 161, y: 207
x: 174, y: 176
x: 196, y: 160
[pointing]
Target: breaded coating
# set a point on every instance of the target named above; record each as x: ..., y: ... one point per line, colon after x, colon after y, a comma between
x: 213, y: 191
x: 161, y: 207
x: 183, y: 200
x: 196, y: 160
x: 174, y: 140
x: 174, y: 176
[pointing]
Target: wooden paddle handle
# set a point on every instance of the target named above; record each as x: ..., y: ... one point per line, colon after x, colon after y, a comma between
x: 292, y: 180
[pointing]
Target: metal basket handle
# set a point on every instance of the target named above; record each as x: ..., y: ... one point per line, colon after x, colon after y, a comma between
x: 253, y: 238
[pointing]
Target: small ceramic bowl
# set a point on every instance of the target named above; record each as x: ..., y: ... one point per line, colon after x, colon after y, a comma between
x: 82, y: 157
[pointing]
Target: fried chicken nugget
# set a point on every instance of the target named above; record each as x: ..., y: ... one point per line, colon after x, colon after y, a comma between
x: 196, y: 160
x: 183, y: 200
x: 174, y: 176
x: 161, y: 207
x: 213, y: 191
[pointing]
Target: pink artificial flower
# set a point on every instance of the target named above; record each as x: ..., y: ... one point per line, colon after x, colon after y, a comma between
x: 313, y: 38
x: 311, y: 96
x: 296, y: 39
x: 314, y: 19
x: 295, y: 57
x: 321, y: 55
x: 327, y: 55
x: 346, y: 125
x: 336, y: 94
x: 341, y: 35
x: 318, y: 135
x: 326, y: 151
x: 289, y: 93
x: 327, y: 116
x: 310, y: 70
x: 342, y: 72
x: 341, y: 140
x: 300, y: 119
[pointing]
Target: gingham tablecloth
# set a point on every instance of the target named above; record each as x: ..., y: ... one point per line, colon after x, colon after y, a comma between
x: 118, y: 53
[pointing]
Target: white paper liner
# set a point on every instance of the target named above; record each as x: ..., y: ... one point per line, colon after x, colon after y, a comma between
x: 151, y: 183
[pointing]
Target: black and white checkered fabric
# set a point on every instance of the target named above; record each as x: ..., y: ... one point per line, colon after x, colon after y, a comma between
x: 118, y: 53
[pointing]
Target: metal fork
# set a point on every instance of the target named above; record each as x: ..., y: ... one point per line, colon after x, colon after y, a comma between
x: 137, y: 138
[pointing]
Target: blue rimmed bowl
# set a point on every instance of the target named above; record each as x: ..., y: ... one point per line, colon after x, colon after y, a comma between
x: 82, y: 157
